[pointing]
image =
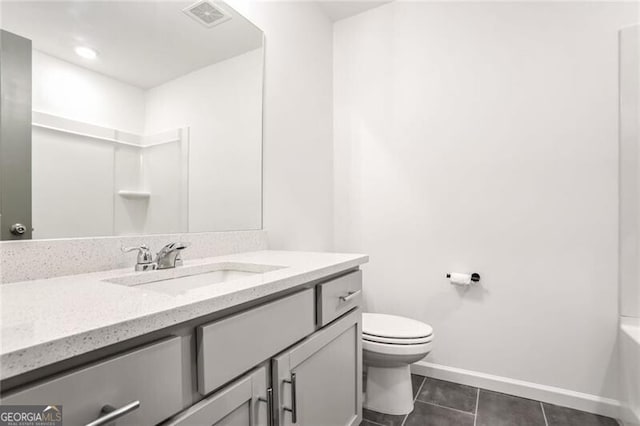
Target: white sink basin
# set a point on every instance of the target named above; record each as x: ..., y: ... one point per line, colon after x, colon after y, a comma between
x: 182, y: 279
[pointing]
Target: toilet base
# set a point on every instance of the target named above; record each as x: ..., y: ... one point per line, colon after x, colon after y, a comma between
x: 389, y: 390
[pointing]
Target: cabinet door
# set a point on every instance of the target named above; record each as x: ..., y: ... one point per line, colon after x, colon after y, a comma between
x: 242, y: 403
x: 318, y: 382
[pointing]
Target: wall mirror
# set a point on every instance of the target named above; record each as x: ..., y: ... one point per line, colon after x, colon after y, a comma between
x: 129, y: 117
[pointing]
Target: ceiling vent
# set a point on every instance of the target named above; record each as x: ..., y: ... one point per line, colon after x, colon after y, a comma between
x: 207, y: 13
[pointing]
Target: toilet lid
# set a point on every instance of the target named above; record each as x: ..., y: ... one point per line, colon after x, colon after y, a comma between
x: 396, y: 341
x: 393, y: 327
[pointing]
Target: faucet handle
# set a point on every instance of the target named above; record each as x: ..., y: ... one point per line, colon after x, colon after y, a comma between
x: 169, y: 255
x: 173, y: 246
x: 144, y: 254
x: 180, y: 247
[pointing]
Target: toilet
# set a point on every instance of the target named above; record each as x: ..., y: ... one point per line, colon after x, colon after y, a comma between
x: 390, y: 344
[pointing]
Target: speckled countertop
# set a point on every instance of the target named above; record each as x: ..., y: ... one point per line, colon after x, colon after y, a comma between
x: 49, y: 320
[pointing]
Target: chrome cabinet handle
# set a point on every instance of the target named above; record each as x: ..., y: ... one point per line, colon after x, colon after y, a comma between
x: 269, y: 401
x: 350, y: 296
x: 294, y: 404
x: 110, y: 413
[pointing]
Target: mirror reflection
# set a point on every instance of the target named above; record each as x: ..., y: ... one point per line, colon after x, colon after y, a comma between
x: 129, y: 118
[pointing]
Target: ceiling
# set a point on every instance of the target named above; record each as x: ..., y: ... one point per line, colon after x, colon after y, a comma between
x: 143, y: 43
x: 337, y: 10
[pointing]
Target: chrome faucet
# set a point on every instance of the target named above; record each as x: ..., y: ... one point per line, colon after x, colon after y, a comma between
x: 169, y: 255
x: 145, y: 258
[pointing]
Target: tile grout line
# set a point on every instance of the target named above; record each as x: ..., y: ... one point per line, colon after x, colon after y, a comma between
x: 544, y: 414
x: 372, y: 422
x: 447, y: 408
x: 424, y: 379
x: 475, y: 416
x: 442, y: 406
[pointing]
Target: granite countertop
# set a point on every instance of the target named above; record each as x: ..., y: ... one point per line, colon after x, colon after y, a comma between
x: 49, y: 320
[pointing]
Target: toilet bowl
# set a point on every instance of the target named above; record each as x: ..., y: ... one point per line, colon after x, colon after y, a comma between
x: 390, y: 344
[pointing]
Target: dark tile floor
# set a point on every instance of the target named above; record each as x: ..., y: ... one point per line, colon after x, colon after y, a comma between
x: 440, y: 403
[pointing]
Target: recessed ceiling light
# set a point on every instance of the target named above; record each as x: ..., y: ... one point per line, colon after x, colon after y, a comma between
x: 86, y: 52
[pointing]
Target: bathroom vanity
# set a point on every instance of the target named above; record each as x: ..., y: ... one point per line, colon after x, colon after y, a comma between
x: 278, y: 345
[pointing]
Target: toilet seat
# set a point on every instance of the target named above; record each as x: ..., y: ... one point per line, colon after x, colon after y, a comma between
x: 393, y: 329
x: 395, y: 340
x: 402, y: 350
x: 394, y: 335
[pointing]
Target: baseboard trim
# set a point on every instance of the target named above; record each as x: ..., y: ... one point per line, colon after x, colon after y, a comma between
x: 550, y: 394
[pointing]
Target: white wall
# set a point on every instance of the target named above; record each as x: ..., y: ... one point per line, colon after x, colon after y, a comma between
x: 63, y: 89
x: 165, y: 175
x: 130, y: 216
x: 482, y: 137
x: 67, y: 168
x: 298, y: 193
x: 222, y: 106
x: 629, y: 171
x: 629, y: 337
x: 72, y: 186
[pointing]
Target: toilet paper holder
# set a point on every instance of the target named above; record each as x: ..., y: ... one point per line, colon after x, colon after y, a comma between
x: 475, y: 277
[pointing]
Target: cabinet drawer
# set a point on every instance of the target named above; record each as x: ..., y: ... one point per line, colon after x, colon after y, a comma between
x: 229, y: 347
x: 150, y: 375
x: 339, y: 296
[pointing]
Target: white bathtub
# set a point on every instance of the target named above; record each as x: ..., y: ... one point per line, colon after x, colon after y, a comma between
x: 630, y: 370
